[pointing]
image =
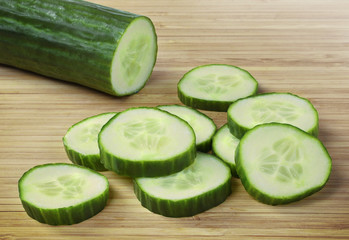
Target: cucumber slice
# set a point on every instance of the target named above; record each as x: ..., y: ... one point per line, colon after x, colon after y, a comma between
x: 201, y: 186
x: 203, y: 126
x: 214, y: 87
x: 62, y: 194
x: 279, y: 163
x: 246, y: 113
x: 146, y: 142
x: 224, y: 145
x: 81, y: 141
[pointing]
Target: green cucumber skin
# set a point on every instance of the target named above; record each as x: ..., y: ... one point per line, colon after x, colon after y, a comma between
x: 75, y: 44
x: 238, y: 131
x: 219, y: 106
x: 147, y: 168
x: 90, y: 161
x: 265, y: 198
x: 68, y: 215
x: 183, y: 208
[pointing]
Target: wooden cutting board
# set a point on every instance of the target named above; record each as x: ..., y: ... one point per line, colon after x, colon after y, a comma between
x: 288, y: 46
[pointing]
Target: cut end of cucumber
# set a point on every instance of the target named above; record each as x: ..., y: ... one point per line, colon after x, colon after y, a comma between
x: 279, y: 163
x: 135, y: 57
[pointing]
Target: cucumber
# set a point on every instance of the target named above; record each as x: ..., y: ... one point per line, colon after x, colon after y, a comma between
x: 280, y: 163
x: 62, y: 194
x: 214, y: 87
x: 201, y: 186
x: 81, y: 141
x: 246, y: 113
x: 81, y: 42
x: 224, y: 145
x: 146, y: 142
x: 203, y: 126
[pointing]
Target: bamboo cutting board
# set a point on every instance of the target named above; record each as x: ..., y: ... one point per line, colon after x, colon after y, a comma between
x: 288, y: 46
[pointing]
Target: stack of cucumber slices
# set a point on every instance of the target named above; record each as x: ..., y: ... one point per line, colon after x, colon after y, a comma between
x: 269, y: 142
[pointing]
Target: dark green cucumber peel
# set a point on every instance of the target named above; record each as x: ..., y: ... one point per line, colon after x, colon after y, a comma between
x: 71, y: 40
x: 238, y: 130
x: 90, y: 161
x: 65, y: 215
x: 264, y: 197
x: 148, y: 168
x: 210, y: 105
x: 185, y: 207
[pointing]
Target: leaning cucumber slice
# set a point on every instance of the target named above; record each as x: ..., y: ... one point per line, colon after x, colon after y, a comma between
x: 203, y: 126
x: 201, y: 186
x: 223, y: 146
x: 80, y: 141
x: 62, y: 194
x: 146, y: 142
x: 246, y: 113
x: 214, y: 87
x: 279, y: 163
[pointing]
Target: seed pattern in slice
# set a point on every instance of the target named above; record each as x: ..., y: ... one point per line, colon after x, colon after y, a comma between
x: 201, y: 186
x: 288, y: 108
x: 224, y: 145
x: 214, y: 87
x: 81, y: 141
x: 146, y: 142
x: 279, y: 163
x: 62, y: 194
x: 203, y: 126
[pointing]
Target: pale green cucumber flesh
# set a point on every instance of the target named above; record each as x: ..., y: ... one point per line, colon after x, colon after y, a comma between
x: 288, y: 108
x: 81, y: 141
x: 62, y: 194
x: 146, y: 142
x: 214, y: 87
x: 201, y: 186
x: 203, y: 126
x: 79, y: 42
x: 279, y: 163
x: 224, y: 145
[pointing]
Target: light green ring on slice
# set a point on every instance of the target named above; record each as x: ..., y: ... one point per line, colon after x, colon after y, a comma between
x: 280, y: 163
x: 224, y: 145
x: 81, y: 141
x: 288, y: 108
x: 201, y: 186
x: 146, y: 142
x: 62, y: 194
x: 214, y: 87
x: 203, y: 126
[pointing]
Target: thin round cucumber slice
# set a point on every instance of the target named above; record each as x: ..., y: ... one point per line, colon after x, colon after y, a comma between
x: 280, y: 163
x: 201, y: 186
x: 134, y: 57
x: 214, y: 87
x: 224, y: 145
x: 203, y: 126
x: 81, y: 141
x: 62, y: 194
x: 146, y: 142
x: 288, y: 108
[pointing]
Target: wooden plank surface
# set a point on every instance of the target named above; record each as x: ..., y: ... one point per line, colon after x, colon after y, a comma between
x: 289, y: 46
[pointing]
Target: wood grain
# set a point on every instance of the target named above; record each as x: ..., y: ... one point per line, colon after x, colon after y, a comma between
x: 288, y: 46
